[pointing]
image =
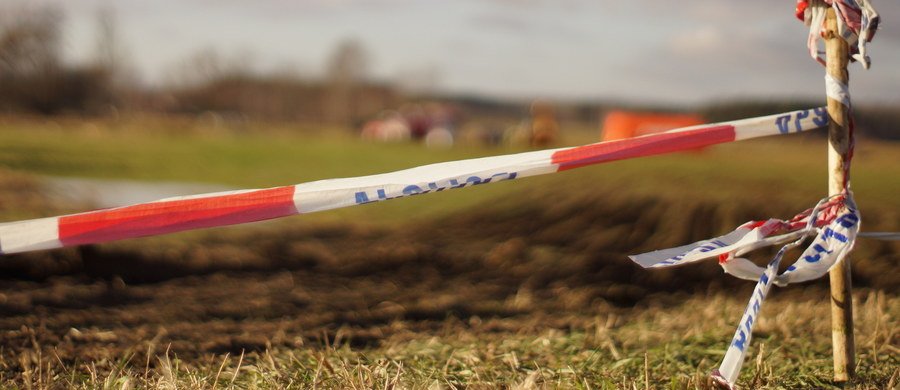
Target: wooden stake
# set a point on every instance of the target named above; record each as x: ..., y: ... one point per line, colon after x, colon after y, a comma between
x: 837, y: 57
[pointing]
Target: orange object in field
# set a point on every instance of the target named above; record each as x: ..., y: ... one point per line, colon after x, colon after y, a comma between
x: 619, y: 124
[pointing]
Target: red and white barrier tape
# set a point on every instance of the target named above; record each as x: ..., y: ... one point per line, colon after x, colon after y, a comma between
x: 835, y: 220
x: 235, y: 207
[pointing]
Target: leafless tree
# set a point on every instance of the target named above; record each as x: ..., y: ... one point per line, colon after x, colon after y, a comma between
x: 111, y: 59
x: 29, y: 55
x: 29, y: 41
x: 346, y: 75
x: 349, y: 63
x: 32, y: 74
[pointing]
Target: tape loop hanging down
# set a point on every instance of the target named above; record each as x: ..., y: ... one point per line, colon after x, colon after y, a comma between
x: 834, y: 222
x: 730, y: 368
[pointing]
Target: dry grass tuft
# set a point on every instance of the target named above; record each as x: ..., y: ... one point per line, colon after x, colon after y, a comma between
x: 649, y: 347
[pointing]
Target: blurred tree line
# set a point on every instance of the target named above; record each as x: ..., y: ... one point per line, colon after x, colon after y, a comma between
x: 35, y: 80
x: 32, y: 75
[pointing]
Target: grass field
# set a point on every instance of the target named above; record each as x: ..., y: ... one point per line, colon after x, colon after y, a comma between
x: 651, y: 346
x: 266, y: 156
x: 463, y: 292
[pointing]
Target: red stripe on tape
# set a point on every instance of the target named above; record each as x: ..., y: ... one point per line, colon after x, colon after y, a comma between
x: 177, y: 215
x: 647, y: 145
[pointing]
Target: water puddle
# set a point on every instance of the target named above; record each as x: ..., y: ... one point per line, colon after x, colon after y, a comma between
x: 103, y: 193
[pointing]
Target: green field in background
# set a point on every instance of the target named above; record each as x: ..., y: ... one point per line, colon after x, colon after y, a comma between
x: 790, y: 168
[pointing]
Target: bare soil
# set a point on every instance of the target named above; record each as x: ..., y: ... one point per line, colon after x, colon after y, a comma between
x: 501, y: 267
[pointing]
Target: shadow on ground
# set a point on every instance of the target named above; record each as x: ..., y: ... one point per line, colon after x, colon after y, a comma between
x: 556, y: 263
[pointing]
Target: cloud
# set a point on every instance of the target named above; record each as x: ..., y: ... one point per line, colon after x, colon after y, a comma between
x: 690, y: 49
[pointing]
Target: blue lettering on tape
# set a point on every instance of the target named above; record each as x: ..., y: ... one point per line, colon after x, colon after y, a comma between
x: 801, y: 115
x: 740, y: 340
x: 847, y: 220
x: 413, y: 189
x: 829, y: 233
x: 712, y: 245
x: 821, y: 118
x: 818, y: 255
x: 783, y: 123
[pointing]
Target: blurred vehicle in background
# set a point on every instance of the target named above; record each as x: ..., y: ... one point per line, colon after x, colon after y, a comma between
x: 621, y: 124
x: 434, y: 124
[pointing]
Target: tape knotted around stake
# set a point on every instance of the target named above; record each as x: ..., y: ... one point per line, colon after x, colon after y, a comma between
x: 857, y: 23
x: 834, y: 223
x: 837, y: 90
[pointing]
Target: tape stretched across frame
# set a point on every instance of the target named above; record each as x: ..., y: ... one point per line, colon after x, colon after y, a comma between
x: 235, y: 207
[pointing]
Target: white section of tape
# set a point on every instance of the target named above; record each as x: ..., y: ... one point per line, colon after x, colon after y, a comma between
x: 697, y: 251
x: 742, y: 268
x: 837, y: 90
x: 741, y: 240
x: 336, y: 193
x: 831, y: 245
x: 730, y: 368
x: 816, y: 21
x: 789, y: 122
x: 857, y: 20
x: 31, y: 235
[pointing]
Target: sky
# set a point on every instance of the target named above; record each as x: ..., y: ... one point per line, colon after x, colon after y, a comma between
x: 641, y: 51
